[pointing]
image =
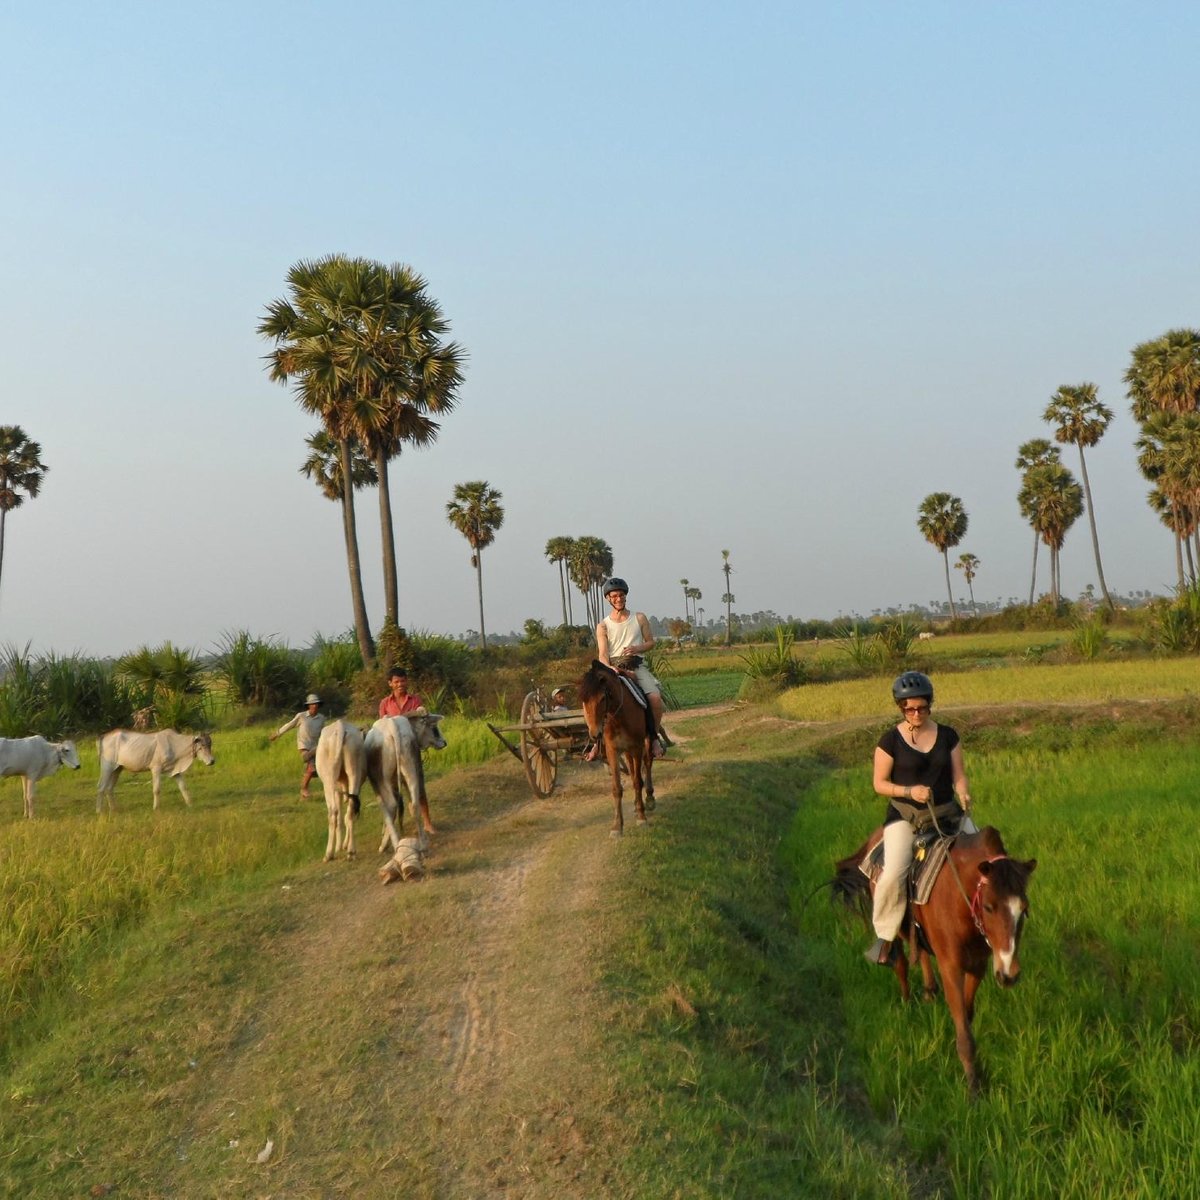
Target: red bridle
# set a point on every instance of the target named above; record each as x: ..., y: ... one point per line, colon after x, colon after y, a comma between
x: 976, y: 904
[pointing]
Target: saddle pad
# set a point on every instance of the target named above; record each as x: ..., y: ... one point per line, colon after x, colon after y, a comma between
x: 635, y: 691
x: 922, y: 874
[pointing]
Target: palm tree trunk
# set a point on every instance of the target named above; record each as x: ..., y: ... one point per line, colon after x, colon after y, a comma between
x: 362, y: 629
x: 1087, y: 491
x: 1033, y: 578
x: 946, y: 564
x: 1179, y: 558
x: 971, y: 589
x: 479, y: 578
x: 728, y: 620
x: 1191, y: 562
x: 562, y: 584
x: 3, y: 514
x: 391, y: 589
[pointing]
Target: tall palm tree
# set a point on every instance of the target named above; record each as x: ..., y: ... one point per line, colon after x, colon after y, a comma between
x: 314, y: 353
x: 968, y: 564
x: 1169, y: 456
x: 476, y: 512
x: 21, y: 471
x: 558, y: 550
x: 1164, y: 374
x: 1055, y: 502
x: 1034, y: 453
x: 696, y: 597
x: 727, y: 599
x: 1164, y: 385
x: 942, y: 521
x: 683, y: 583
x: 590, y: 564
x: 1080, y: 419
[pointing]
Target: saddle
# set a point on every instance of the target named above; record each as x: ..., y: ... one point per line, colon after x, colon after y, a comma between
x: 929, y: 854
x: 631, y: 662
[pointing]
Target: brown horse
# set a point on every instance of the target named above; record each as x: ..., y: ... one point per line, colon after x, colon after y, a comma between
x: 611, y: 711
x: 976, y: 911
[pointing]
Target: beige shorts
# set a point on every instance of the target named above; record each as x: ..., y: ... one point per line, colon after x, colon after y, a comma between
x: 646, y: 681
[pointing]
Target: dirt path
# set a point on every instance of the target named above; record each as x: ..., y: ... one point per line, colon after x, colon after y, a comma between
x: 464, y: 1012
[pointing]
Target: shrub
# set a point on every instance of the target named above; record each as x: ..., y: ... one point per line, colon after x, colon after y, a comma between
x: 59, y: 697
x: 775, y: 665
x: 1089, y: 638
x: 260, y: 672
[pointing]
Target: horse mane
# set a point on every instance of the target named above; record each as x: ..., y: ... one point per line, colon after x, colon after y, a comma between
x: 594, y: 681
x: 1008, y: 876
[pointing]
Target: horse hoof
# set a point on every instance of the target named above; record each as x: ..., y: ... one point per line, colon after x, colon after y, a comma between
x: 651, y: 804
x: 614, y: 833
x: 642, y: 821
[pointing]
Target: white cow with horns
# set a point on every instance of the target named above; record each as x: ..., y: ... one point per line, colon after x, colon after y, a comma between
x: 394, y: 746
x: 342, y: 769
x: 164, y: 752
x: 34, y: 758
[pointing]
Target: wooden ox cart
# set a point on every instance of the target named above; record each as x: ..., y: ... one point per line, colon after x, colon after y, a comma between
x: 547, y: 731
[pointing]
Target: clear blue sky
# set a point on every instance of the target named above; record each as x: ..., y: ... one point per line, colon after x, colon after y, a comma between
x: 756, y: 278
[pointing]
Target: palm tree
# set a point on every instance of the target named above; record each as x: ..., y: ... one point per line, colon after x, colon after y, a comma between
x: 1080, y: 418
x: 1169, y: 456
x: 968, y: 564
x: 590, y: 564
x: 324, y: 465
x: 21, y: 470
x: 476, y: 512
x: 942, y: 521
x: 314, y: 353
x: 1034, y: 453
x: 1054, y: 502
x: 558, y: 550
x: 727, y: 599
x: 1164, y: 374
x: 683, y: 583
x: 694, y: 595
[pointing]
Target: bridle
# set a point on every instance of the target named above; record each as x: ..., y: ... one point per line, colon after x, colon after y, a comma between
x: 975, y: 904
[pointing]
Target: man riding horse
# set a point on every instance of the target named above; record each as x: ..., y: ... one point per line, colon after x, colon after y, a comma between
x: 621, y: 639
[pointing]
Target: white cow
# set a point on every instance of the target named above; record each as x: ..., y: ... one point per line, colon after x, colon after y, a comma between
x: 342, y: 768
x: 394, y: 746
x: 163, y: 752
x: 35, y: 758
x: 925, y: 635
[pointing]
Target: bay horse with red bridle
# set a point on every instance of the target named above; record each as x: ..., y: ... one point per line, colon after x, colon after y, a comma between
x: 976, y: 912
x: 612, y: 712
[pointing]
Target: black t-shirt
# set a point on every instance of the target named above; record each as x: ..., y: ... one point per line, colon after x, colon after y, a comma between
x: 910, y: 766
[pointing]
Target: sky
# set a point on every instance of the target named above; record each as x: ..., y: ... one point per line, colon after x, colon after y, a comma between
x: 755, y: 278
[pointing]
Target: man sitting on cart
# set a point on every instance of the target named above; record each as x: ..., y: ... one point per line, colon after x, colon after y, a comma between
x: 621, y: 638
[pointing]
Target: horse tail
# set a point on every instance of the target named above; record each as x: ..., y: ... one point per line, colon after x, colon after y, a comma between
x: 849, y: 886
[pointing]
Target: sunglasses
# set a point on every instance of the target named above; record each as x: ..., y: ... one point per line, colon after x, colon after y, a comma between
x: 915, y: 708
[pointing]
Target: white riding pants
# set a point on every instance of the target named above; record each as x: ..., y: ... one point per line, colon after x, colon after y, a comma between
x: 890, y: 888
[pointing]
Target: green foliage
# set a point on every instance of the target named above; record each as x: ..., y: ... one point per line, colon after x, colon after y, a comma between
x: 858, y: 644
x: 260, y: 672
x: 1089, y: 639
x: 894, y: 641
x: 60, y: 697
x: 1175, y: 625
x: 393, y: 648
x: 775, y: 665
x: 335, y: 662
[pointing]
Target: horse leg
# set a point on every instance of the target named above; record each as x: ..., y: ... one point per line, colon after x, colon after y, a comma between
x: 961, y: 1009
x: 901, y: 968
x: 635, y: 772
x: 614, y: 763
x: 648, y: 772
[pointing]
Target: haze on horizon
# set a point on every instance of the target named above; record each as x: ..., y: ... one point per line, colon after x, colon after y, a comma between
x: 755, y: 280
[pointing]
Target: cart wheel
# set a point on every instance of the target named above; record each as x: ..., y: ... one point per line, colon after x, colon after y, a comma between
x: 538, y: 749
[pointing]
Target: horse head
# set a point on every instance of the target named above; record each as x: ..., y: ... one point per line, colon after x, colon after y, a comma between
x: 1000, y: 908
x: 595, y: 690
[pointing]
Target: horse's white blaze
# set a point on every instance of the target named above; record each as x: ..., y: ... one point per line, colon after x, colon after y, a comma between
x: 1006, y: 954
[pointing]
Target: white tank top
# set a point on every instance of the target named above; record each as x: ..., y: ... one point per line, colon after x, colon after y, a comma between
x: 621, y: 635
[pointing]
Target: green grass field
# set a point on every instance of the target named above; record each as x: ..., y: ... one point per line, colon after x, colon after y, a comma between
x: 758, y: 1055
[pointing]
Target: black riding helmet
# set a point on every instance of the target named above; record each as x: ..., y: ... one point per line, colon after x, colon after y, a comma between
x: 910, y: 685
x: 615, y: 584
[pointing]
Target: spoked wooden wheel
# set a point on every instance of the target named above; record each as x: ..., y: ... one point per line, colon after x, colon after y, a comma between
x: 539, y: 749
